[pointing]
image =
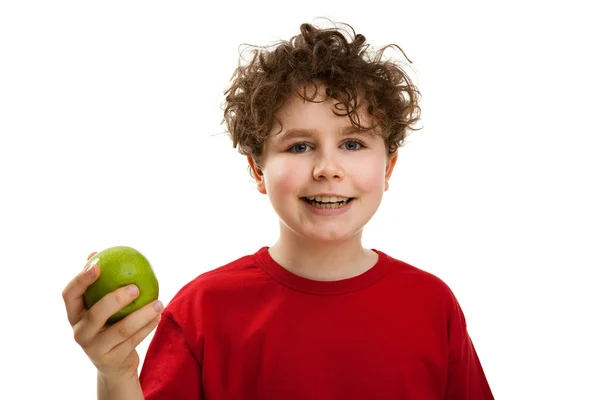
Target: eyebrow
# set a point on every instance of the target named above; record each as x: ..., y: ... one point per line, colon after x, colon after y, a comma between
x: 296, y: 133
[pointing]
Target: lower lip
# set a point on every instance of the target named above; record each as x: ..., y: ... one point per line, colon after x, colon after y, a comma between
x: 328, y: 211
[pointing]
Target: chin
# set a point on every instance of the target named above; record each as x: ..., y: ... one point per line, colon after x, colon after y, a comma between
x: 332, y: 237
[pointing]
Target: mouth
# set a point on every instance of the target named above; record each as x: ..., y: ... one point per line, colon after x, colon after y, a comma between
x: 327, y: 204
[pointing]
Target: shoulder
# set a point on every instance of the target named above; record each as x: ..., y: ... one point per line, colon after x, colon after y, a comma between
x: 219, y: 281
x: 424, y: 291
x: 417, y: 280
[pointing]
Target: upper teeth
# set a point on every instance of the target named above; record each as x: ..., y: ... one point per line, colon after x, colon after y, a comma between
x: 327, y: 199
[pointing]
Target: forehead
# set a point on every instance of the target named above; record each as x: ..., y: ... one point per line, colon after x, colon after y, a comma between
x: 318, y: 114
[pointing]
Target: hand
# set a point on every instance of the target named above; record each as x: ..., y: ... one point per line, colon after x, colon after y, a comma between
x: 110, y: 347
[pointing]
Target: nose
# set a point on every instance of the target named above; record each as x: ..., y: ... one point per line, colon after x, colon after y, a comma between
x: 327, y: 167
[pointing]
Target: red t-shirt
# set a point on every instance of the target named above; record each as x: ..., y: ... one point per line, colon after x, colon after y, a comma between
x: 253, y: 330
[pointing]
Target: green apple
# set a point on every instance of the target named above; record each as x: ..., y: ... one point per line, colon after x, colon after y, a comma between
x: 122, y: 266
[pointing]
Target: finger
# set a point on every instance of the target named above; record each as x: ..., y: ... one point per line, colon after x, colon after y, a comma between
x: 123, y: 350
x: 127, y: 327
x: 126, y: 338
x: 92, y: 254
x: 73, y: 293
x: 95, y: 318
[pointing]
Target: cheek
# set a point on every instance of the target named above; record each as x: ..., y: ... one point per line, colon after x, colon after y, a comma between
x: 370, y: 179
x: 283, y: 178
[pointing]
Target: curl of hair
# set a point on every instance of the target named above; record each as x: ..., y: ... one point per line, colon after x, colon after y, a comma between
x: 332, y: 57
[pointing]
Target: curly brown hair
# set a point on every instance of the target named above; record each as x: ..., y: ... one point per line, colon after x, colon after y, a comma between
x: 333, y: 57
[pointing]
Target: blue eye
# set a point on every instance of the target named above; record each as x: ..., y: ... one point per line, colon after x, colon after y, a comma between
x: 296, y: 147
x: 354, y: 147
x: 303, y: 147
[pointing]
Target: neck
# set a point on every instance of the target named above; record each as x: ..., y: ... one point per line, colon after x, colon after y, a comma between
x: 322, y: 261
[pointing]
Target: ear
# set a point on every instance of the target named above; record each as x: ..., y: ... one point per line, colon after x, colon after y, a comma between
x: 389, y: 169
x: 258, y: 175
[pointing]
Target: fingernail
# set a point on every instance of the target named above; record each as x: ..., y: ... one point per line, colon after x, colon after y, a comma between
x: 89, y: 271
x: 132, y: 290
x: 158, y: 306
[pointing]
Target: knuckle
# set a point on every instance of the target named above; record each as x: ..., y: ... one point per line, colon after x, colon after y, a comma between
x: 77, y: 335
x: 137, y: 338
x: 80, y: 336
x: 80, y: 281
x: 93, y: 315
x: 68, y: 290
x: 123, y: 332
x: 121, y: 298
x: 133, y: 341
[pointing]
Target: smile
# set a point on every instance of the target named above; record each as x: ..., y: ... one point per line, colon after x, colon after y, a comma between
x: 327, y: 204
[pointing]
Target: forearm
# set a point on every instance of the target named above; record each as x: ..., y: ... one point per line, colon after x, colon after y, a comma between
x: 123, y: 388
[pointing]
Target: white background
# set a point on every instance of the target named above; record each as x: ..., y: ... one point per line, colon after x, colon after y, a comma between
x: 110, y: 135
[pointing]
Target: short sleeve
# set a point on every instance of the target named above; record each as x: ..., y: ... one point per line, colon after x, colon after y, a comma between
x: 170, y: 369
x: 466, y: 379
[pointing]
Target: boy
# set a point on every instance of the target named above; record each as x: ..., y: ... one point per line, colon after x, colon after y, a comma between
x: 315, y: 316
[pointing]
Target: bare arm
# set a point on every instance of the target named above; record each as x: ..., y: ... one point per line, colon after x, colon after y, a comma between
x: 125, y: 388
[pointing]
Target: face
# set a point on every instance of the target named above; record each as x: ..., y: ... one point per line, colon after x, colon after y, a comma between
x: 318, y: 152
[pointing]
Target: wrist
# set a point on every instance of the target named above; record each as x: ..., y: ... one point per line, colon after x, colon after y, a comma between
x: 119, y: 386
x: 115, y: 378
